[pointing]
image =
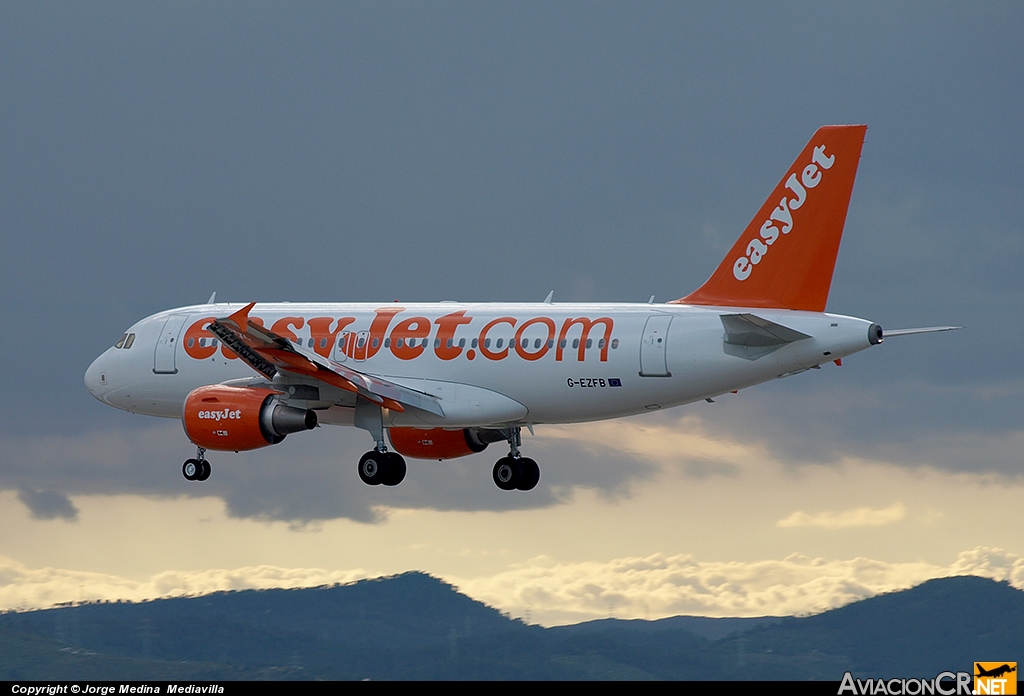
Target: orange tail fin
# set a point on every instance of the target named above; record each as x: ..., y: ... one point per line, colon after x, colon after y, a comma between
x: 785, y: 257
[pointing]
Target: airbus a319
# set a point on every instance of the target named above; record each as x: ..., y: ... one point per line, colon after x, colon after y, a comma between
x: 443, y: 380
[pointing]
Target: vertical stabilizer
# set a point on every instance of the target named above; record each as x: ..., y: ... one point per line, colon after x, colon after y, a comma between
x: 785, y: 257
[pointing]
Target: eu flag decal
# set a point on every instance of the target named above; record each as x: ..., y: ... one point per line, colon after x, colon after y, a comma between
x: 614, y: 382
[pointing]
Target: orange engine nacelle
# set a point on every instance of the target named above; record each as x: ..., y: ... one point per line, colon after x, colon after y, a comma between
x: 436, y: 443
x: 241, y: 418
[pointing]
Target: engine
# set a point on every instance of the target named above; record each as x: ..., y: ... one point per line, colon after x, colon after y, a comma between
x: 218, y: 417
x: 439, y: 443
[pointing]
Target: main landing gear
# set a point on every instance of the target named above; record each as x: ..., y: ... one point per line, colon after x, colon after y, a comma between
x: 378, y: 466
x: 197, y: 469
x: 515, y: 472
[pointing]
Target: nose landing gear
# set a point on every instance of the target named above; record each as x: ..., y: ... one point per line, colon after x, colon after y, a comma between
x: 197, y: 469
x: 515, y: 472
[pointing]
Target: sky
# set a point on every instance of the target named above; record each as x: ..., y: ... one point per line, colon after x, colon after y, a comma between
x: 154, y: 153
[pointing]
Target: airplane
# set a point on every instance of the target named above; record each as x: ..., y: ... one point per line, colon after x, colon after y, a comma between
x: 444, y: 380
x: 995, y: 671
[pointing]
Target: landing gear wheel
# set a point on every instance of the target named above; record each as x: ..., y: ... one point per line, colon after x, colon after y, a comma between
x: 191, y: 469
x: 530, y: 474
x: 394, y: 472
x: 204, y: 470
x: 507, y: 473
x: 373, y: 467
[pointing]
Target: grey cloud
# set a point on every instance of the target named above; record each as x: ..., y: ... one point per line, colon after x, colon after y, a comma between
x: 309, y: 477
x: 859, y: 411
x: 48, y: 505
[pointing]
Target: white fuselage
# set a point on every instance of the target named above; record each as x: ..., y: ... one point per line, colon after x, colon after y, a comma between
x: 640, y: 357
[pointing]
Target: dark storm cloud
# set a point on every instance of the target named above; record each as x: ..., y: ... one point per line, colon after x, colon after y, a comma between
x: 48, y: 505
x: 426, y: 151
x: 309, y: 477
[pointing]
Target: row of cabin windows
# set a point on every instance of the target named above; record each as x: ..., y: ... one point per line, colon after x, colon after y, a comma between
x: 128, y: 339
x: 125, y: 342
x: 450, y: 343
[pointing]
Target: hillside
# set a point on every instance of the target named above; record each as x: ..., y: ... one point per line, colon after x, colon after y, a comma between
x: 414, y: 626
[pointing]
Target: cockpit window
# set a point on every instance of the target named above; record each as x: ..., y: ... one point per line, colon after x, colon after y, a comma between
x: 120, y: 341
x: 128, y: 343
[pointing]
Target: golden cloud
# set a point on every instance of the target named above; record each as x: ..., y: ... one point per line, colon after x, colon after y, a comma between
x: 858, y: 517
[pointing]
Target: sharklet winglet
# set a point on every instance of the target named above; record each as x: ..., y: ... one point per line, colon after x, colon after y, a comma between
x: 241, y: 317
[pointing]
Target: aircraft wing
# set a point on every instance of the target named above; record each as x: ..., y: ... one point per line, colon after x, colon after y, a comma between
x: 268, y: 353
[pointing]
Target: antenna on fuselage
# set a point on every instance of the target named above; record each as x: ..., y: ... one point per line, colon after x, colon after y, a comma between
x: 651, y: 300
x: 213, y: 298
x: 547, y: 300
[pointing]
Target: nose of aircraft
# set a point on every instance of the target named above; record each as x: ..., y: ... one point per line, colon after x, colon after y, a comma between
x: 96, y: 378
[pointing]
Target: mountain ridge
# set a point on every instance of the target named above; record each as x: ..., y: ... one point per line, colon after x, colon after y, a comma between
x: 416, y: 626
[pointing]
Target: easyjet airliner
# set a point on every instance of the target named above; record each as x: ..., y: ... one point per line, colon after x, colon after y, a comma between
x: 446, y: 379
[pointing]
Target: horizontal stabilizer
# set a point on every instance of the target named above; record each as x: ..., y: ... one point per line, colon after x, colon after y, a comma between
x: 753, y: 331
x: 923, y: 330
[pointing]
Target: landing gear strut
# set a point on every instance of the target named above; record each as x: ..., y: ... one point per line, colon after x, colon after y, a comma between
x: 515, y: 471
x: 197, y: 469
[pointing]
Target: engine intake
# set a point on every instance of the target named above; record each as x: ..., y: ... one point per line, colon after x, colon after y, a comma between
x: 226, y: 418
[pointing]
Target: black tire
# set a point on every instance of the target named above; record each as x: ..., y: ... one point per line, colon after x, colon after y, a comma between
x: 191, y: 469
x: 396, y: 468
x: 373, y: 467
x: 204, y: 470
x: 530, y: 474
x: 507, y: 473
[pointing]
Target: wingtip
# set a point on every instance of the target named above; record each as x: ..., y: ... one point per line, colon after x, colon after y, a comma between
x: 241, y: 317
